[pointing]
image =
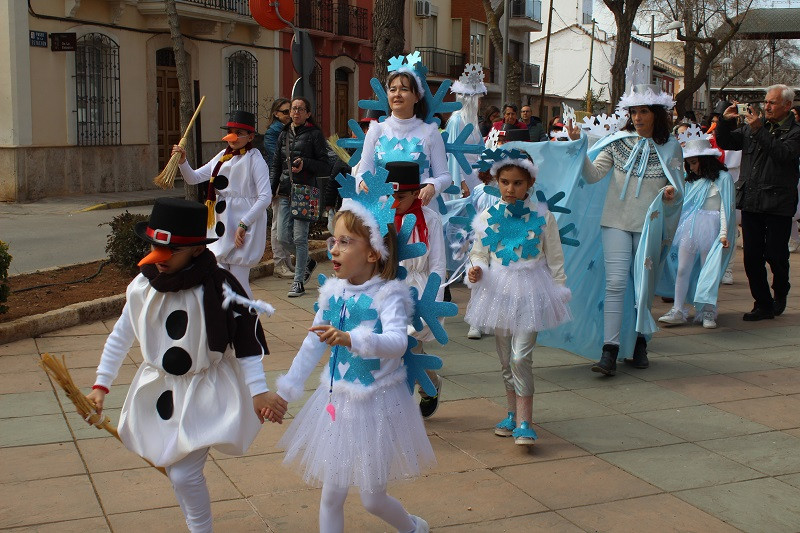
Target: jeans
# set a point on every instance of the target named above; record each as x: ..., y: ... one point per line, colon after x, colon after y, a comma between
x: 293, y: 234
x: 619, y: 249
x: 764, y: 237
x: 279, y: 253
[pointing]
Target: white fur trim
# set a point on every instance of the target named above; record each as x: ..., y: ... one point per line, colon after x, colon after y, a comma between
x: 400, y: 288
x: 332, y: 286
x: 357, y: 390
x: 362, y: 341
x: 527, y: 164
x: 291, y: 392
x: 375, y: 237
x: 646, y: 95
x: 463, y: 88
x: 699, y: 147
x: 408, y: 70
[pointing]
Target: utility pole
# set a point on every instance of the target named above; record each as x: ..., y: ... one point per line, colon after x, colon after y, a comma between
x: 589, y: 86
x: 546, y: 56
x: 504, y: 71
x: 652, y: 49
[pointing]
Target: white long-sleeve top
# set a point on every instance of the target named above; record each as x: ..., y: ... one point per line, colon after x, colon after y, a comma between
x: 408, y: 128
x: 713, y: 202
x: 549, y: 243
x: 392, y: 301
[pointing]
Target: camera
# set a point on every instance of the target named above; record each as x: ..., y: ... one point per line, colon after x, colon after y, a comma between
x: 742, y: 109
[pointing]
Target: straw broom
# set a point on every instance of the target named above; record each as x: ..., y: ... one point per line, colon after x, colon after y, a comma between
x: 338, y: 150
x: 166, y: 180
x: 58, y: 371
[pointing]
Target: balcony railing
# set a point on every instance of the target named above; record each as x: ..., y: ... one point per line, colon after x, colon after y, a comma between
x: 441, y: 62
x: 240, y: 7
x: 531, y: 9
x: 328, y: 16
x: 530, y: 74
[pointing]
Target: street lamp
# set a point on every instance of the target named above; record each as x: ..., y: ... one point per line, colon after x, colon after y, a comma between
x: 674, y: 25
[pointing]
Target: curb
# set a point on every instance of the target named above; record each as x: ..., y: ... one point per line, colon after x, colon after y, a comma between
x: 116, y: 205
x: 100, y: 309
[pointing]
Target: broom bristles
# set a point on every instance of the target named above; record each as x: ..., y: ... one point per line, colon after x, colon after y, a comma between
x: 166, y: 180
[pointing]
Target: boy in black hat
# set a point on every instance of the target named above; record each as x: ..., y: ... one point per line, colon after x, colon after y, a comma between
x: 201, y: 383
x: 238, y: 195
x: 404, y: 177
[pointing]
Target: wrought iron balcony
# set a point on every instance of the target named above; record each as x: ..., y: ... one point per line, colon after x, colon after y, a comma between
x: 338, y: 18
x: 530, y: 74
x: 240, y: 7
x: 441, y: 62
x: 526, y: 15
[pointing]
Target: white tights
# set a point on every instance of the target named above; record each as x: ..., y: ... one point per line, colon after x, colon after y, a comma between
x: 619, y: 249
x: 191, y: 491
x: 686, y: 257
x: 379, y: 503
x: 242, y: 275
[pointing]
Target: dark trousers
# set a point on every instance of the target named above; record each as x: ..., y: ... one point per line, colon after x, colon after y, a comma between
x: 765, y: 238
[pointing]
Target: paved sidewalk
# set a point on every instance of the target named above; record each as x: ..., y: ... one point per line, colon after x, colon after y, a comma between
x: 707, y: 439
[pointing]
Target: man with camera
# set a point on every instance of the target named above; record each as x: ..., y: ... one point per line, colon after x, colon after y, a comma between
x: 766, y: 192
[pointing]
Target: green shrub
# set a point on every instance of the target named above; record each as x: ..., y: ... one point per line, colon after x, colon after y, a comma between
x: 123, y: 247
x: 5, y: 262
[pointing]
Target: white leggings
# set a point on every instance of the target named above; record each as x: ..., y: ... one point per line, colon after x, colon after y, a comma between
x: 190, y: 488
x: 242, y: 275
x: 379, y: 503
x: 619, y: 250
x: 686, y: 257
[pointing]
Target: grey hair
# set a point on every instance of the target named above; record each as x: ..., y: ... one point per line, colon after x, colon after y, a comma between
x: 786, y: 93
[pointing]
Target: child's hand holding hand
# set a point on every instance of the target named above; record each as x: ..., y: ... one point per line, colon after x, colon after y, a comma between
x: 332, y: 336
x: 669, y: 193
x: 724, y: 242
x: 474, y: 275
x: 270, y: 406
x: 97, y: 397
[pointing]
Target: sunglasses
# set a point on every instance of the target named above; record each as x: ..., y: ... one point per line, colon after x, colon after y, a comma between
x: 283, y: 111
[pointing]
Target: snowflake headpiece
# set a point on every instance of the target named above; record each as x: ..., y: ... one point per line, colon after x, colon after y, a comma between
x: 373, y: 207
x: 471, y: 81
x: 640, y: 92
x: 692, y: 133
x: 700, y: 147
x: 412, y: 65
x: 493, y: 160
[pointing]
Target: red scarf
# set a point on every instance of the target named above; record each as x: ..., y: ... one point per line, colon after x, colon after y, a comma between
x: 211, y: 193
x: 420, y: 225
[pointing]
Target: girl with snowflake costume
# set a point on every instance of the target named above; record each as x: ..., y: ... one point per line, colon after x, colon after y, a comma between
x: 201, y: 384
x: 517, y: 244
x: 238, y: 195
x: 701, y: 249
x: 361, y: 427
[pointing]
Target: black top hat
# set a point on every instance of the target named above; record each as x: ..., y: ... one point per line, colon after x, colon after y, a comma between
x: 373, y: 114
x: 403, y: 175
x: 517, y: 134
x: 241, y: 119
x: 175, y: 222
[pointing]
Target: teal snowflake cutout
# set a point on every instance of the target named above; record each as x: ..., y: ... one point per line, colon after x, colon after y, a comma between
x: 346, y: 315
x: 428, y: 309
x: 356, y: 143
x: 492, y: 191
x: 381, y: 103
x: 554, y: 208
x: 460, y: 146
x: 489, y: 157
x: 512, y: 231
x: 416, y: 365
x: 377, y: 200
x: 390, y: 150
x: 405, y: 249
x: 436, y: 103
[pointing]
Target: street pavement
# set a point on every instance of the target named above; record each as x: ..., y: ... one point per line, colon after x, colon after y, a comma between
x: 61, y: 231
x: 707, y: 439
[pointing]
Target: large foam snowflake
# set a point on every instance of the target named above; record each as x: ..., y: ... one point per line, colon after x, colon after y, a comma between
x: 346, y: 315
x: 552, y: 205
x: 377, y: 199
x: 513, y: 232
x: 428, y: 309
x: 459, y: 146
x: 416, y: 365
x: 356, y: 142
x: 406, y: 249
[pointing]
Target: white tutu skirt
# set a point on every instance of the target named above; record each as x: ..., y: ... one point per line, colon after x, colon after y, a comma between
x: 697, y: 231
x: 378, y: 436
x: 517, y: 298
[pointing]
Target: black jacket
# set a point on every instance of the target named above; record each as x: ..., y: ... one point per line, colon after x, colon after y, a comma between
x: 306, y: 142
x: 769, y: 172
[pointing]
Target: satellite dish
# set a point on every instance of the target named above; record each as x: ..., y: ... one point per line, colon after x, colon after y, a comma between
x: 264, y: 12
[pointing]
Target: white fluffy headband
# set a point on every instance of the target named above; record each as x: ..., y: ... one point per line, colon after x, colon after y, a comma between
x: 375, y: 237
x: 408, y: 70
x: 527, y: 164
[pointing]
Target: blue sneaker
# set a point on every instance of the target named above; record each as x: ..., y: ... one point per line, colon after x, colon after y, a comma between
x: 506, y: 426
x: 524, y: 435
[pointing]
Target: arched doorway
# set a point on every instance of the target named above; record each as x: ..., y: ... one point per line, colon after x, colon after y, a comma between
x: 168, y: 101
x: 342, y: 102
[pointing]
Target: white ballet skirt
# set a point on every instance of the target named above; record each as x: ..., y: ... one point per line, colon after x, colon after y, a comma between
x: 519, y: 297
x: 698, y: 230
x: 184, y: 397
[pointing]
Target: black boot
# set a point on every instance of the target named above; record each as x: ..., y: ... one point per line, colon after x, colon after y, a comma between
x: 608, y: 361
x: 639, y: 359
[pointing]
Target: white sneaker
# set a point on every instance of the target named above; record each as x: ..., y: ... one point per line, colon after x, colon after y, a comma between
x: 708, y: 320
x: 727, y: 277
x: 474, y: 333
x: 420, y: 525
x: 793, y: 246
x: 675, y: 317
x: 283, y: 271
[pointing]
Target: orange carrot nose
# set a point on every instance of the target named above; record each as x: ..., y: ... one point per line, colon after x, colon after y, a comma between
x: 712, y: 127
x: 158, y: 255
x: 231, y: 137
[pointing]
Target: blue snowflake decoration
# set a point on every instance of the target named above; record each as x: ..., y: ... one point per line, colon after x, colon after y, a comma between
x: 377, y: 200
x: 416, y: 365
x: 381, y: 103
x: 554, y: 208
x: 489, y: 157
x: 492, y: 191
x: 460, y: 146
x: 356, y: 143
x: 346, y: 315
x: 428, y: 309
x: 391, y: 150
x: 406, y: 249
x: 512, y: 231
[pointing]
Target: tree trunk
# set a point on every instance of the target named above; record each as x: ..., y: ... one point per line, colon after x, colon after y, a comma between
x: 389, y: 37
x: 184, y: 86
x: 514, y: 71
x: 624, y: 13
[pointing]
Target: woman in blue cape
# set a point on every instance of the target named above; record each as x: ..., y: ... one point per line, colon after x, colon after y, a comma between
x: 641, y: 171
x: 701, y: 249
